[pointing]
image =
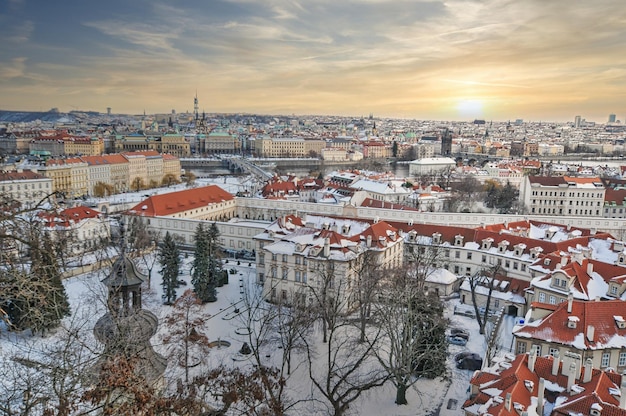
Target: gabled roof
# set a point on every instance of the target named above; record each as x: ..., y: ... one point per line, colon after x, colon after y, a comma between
x: 587, y: 278
x: 381, y: 233
x: 19, y: 176
x: 601, y: 315
x: 181, y: 201
x: 68, y: 216
x: 516, y: 379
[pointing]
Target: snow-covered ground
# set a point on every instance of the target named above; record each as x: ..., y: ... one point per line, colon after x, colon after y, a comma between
x: 428, y: 397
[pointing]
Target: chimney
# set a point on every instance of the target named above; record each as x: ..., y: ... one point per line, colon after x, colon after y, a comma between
x: 369, y: 240
x: 571, y: 376
x: 555, y: 363
x: 590, y: 333
x: 622, y: 388
x: 563, y: 260
x: 570, y: 301
x: 532, y: 359
x: 588, y: 370
x: 589, y: 267
x: 540, y: 393
x: 326, y: 247
x: 507, y: 402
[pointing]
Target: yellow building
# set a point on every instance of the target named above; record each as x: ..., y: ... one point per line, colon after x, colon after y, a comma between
x: 88, y: 146
x: 288, y: 147
x: 69, y: 176
x: 174, y: 144
x: 171, y: 165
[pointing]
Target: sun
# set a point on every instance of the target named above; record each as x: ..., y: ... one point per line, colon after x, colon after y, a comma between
x: 470, y: 108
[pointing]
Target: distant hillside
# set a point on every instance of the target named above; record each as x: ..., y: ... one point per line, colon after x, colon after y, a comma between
x: 28, y: 116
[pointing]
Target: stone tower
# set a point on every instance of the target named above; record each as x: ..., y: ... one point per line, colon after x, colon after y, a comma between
x: 126, y: 329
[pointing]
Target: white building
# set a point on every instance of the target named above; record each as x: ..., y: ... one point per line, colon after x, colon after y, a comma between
x: 82, y: 228
x: 431, y: 166
x: 563, y: 195
x: 295, y: 258
x: 25, y: 186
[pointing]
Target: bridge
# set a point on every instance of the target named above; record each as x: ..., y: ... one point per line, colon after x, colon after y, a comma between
x: 239, y: 164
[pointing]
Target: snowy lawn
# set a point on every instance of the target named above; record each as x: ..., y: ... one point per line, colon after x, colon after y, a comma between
x: 86, y: 294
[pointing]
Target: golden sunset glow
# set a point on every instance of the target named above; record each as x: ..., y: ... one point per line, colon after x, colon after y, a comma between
x: 456, y: 59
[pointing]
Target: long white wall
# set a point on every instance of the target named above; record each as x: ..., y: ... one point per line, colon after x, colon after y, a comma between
x: 255, y: 208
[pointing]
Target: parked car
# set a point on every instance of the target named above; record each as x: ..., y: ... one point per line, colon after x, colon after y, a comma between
x: 459, y: 332
x: 457, y: 340
x: 468, y: 361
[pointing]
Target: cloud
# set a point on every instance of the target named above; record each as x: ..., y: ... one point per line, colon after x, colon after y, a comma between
x: 15, y: 68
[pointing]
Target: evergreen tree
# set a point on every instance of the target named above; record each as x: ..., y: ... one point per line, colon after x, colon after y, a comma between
x: 200, y: 278
x: 52, y: 302
x: 215, y: 263
x: 169, y: 259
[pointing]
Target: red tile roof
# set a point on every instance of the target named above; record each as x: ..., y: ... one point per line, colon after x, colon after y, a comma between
x: 18, y: 176
x: 599, y: 314
x: 375, y: 203
x: 176, y: 202
x: 523, y: 384
x: 68, y: 216
x: 381, y: 233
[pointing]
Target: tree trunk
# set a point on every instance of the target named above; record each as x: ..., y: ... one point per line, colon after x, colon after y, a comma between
x: 401, y: 394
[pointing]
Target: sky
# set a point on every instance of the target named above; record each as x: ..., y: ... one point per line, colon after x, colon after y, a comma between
x: 438, y: 59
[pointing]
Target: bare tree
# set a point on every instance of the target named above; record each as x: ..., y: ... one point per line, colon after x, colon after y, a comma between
x: 184, y: 333
x: 481, y: 285
x: 368, y: 275
x: 273, y: 329
x: 349, y: 367
x: 413, y: 345
x: 142, y: 242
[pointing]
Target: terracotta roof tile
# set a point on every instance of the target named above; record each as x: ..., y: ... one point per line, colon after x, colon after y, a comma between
x: 176, y: 202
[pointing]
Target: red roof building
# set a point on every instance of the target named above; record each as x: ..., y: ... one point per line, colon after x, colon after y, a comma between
x: 546, y: 385
x: 208, y: 203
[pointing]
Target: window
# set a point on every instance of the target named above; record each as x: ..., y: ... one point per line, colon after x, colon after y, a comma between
x: 303, y: 277
x: 552, y: 300
x: 484, y: 259
x: 298, y: 260
x: 553, y: 351
x: 456, y: 269
x: 261, y: 259
x: 523, y: 268
x: 613, y: 290
x: 304, y: 261
x: 469, y: 255
x: 273, y: 272
x: 622, y: 359
x: 542, y: 297
x: 521, y: 347
x: 284, y: 258
x: 604, y: 362
x: 261, y: 278
x: 274, y: 256
x: 283, y: 295
x: 298, y: 274
x: 457, y: 254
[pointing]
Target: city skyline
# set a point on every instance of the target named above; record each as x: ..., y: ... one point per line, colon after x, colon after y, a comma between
x: 447, y: 60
